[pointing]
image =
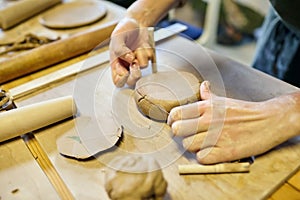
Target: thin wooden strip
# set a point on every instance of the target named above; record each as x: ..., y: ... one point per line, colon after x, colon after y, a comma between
x: 218, y: 168
x: 44, y: 162
x: 40, y: 83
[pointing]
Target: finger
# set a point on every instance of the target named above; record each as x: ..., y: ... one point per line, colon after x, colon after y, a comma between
x: 119, y: 74
x: 188, y: 111
x: 119, y: 49
x: 212, y: 155
x: 128, y: 57
x: 189, y: 127
x: 144, y: 54
x: 205, y: 92
x: 135, y: 74
x: 193, y: 143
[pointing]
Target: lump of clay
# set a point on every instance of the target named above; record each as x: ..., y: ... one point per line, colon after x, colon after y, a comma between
x: 135, y: 177
x: 158, y: 93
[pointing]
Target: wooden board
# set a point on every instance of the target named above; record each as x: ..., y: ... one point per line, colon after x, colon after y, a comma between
x: 85, y: 178
x: 20, y: 176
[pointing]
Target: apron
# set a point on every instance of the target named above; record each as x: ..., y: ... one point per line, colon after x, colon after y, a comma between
x: 278, y: 52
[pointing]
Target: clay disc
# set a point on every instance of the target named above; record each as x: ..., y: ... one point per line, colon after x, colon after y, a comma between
x: 73, y: 14
x: 158, y: 93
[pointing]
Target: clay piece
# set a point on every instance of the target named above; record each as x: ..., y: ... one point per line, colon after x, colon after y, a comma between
x: 156, y: 94
x: 28, y: 41
x: 135, y: 177
x: 73, y: 14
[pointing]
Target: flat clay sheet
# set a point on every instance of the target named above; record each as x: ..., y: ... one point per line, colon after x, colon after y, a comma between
x: 73, y: 14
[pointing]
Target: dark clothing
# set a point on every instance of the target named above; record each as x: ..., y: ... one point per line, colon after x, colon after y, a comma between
x: 288, y: 10
x: 278, y: 49
x: 123, y: 3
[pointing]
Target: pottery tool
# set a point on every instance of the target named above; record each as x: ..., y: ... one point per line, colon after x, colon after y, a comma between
x: 152, y: 44
x: 21, y: 121
x: 16, y: 12
x: 214, y: 169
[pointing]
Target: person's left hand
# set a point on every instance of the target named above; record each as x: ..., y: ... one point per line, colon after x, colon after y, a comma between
x: 220, y: 129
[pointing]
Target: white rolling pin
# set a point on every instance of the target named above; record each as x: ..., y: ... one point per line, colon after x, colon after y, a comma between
x: 29, y: 118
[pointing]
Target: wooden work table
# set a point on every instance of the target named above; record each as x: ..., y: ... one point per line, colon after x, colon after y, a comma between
x: 274, y: 175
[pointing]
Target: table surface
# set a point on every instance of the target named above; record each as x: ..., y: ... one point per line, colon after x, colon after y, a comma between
x: 273, y: 175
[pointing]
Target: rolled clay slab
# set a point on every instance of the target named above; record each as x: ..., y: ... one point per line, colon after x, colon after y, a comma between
x: 158, y: 93
x: 73, y: 14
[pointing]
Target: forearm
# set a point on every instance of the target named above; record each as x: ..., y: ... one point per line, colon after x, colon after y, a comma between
x: 149, y: 12
x: 290, y: 105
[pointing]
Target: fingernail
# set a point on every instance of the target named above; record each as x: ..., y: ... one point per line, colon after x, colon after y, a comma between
x: 186, y: 142
x: 207, y: 85
x: 174, y: 128
x: 129, y: 57
x: 135, y: 66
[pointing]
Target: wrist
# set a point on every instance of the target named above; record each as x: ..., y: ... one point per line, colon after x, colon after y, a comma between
x: 293, y: 101
x: 288, y: 106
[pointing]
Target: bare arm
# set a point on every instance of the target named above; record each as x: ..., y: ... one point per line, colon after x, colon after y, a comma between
x: 149, y: 12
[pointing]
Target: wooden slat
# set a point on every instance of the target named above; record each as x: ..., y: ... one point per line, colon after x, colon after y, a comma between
x: 286, y: 192
x: 295, y: 181
x: 20, y: 176
x: 44, y: 162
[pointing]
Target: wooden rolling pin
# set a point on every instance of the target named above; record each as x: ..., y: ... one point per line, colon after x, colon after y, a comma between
x: 17, y: 12
x: 214, y: 169
x: 28, y: 118
x: 52, y: 53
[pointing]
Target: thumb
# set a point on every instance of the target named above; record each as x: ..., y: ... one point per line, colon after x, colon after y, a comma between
x: 205, y: 92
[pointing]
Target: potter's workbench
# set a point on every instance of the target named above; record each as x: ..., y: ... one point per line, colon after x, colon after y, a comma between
x: 22, y: 178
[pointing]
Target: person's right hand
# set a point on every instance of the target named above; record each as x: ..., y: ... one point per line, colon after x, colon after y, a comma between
x: 130, y: 50
x: 220, y: 129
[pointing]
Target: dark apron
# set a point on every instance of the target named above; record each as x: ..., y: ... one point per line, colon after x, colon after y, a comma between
x: 278, y: 49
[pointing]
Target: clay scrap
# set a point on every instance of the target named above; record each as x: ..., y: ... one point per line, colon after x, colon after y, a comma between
x: 73, y: 14
x: 28, y: 41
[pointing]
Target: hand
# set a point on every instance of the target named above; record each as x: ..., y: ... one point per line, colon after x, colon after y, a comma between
x: 220, y: 129
x: 130, y: 51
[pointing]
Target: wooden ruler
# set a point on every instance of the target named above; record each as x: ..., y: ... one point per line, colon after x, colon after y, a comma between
x: 46, y: 165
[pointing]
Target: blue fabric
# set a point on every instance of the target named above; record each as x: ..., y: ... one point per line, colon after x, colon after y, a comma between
x: 278, y: 50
